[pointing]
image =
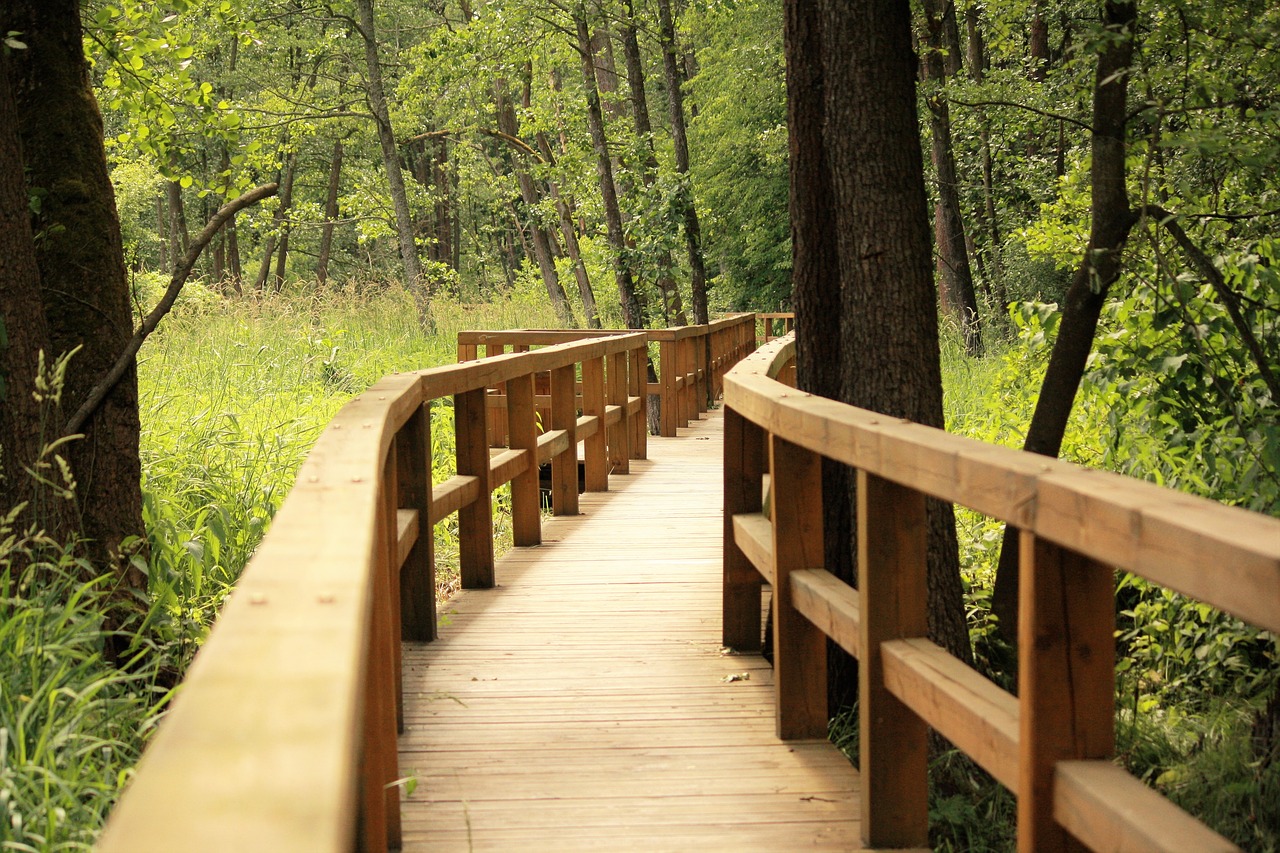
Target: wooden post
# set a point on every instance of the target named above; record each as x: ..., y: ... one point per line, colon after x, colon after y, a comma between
x: 418, y: 574
x: 475, y: 520
x: 638, y: 385
x: 497, y: 423
x: 467, y: 352
x: 669, y: 370
x: 1066, y: 679
x: 391, y: 604
x: 892, y: 538
x: 799, y: 647
x: 620, y: 432
x: 564, y: 466
x: 684, y: 357
x: 743, y: 478
x: 702, y: 368
x: 595, y: 448
x: 526, y: 511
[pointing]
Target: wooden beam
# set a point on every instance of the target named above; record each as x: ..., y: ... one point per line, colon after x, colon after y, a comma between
x: 743, y: 469
x: 753, y: 534
x: 830, y: 604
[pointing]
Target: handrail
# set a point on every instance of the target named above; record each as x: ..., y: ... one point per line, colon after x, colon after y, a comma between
x: 284, y: 734
x: 691, y: 366
x: 1052, y: 744
x: 769, y: 324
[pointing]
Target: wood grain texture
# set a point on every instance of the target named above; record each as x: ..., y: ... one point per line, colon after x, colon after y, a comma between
x: 584, y: 703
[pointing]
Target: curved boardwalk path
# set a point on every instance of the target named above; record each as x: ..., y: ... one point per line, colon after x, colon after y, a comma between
x: 585, y: 703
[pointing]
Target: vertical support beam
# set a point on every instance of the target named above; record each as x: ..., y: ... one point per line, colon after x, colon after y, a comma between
x: 702, y: 367
x: 684, y: 356
x: 564, y: 466
x: 418, y: 574
x: 620, y: 432
x: 595, y: 448
x: 799, y: 647
x: 638, y: 386
x: 1066, y: 679
x: 892, y: 538
x: 497, y: 423
x: 391, y: 603
x: 467, y: 352
x: 526, y: 510
x: 743, y: 479
x: 669, y: 370
x: 475, y: 520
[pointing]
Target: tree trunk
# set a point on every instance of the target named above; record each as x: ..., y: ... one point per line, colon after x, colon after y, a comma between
x: 282, y: 220
x: 889, y: 351
x: 1112, y: 219
x: 163, y: 231
x: 1038, y: 44
x: 233, y: 257
x: 83, y: 286
x: 541, y: 246
x: 632, y: 307
x: 672, y: 304
x: 179, y: 236
x: 23, y: 336
x: 391, y: 161
x: 330, y: 214
x: 673, y: 75
x: 960, y: 298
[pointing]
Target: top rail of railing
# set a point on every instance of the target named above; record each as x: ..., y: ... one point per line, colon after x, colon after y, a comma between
x: 1052, y: 745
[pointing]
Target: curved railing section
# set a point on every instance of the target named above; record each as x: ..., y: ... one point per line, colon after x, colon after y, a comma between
x: 284, y: 734
x: 1053, y: 744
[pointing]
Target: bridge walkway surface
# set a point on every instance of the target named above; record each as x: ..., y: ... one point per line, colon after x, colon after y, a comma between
x: 586, y: 702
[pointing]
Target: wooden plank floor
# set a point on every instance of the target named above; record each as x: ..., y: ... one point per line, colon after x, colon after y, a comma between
x: 586, y: 704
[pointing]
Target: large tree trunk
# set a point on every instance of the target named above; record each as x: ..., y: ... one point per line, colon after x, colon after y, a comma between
x: 23, y: 335
x: 414, y: 281
x: 632, y: 307
x: 330, y: 214
x: 83, y: 285
x: 674, y: 76
x: 959, y: 296
x: 672, y: 304
x: 1112, y: 220
x: 889, y: 350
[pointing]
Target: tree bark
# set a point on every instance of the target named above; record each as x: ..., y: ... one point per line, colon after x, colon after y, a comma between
x: 632, y: 307
x: 282, y: 217
x: 330, y: 214
x: 179, y: 237
x: 391, y: 161
x: 675, y: 79
x: 1112, y: 220
x: 83, y: 285
x: 889, y: 351
x: 959, y: 297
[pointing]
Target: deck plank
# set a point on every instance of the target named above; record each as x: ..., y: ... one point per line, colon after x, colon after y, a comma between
x: 585, y: 703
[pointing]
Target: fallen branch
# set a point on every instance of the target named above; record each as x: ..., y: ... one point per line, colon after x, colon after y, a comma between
x: 180, y: 275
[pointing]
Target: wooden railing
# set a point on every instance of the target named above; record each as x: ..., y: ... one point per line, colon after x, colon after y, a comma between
x: 692, y: 360
x: 283, y: 737
x: 775, y: 325
x: 1053, y: 744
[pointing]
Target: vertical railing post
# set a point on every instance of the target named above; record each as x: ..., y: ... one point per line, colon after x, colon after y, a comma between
x: 564, y: 466
x: 702, y: 367
x: 526, y: 510
x: 892, y: 542
x: 743, y: 483
x: 475, y: 520
x: 620, y: 432
x: 596, y: 447
x: 418, y: 574
x: 498, y: 422
x: 799, y: 647
x: 638, y: 384
x: 684, y: 358
x: 669, y: 370
x: 1066, y: 678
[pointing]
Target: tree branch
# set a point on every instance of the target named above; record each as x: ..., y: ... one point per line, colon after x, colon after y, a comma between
x: 181, y: 273
x: 1230, y: 300
x: 1045, y: 113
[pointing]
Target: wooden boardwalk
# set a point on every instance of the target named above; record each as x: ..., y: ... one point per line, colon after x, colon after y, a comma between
x: 586, y: 703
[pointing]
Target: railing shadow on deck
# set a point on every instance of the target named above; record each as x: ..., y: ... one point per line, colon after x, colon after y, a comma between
x: 1052, y: 745
x: 283, y: 737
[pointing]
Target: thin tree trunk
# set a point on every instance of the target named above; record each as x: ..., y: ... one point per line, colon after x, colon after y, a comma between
x: 414, y: 281
x: 330, y: 214
x: 1112, y: 220
x: 233, y: 257
x: 541, y: 247
x: 632, y: 307
x: 163, y: 229
x: 675, y: 79
x: 672, y: 304
x: 179, y: 238
x: 960, y: 298
x: 282, y: 214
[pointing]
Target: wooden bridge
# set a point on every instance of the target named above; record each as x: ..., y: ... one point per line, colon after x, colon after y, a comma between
x: 598, y: 687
